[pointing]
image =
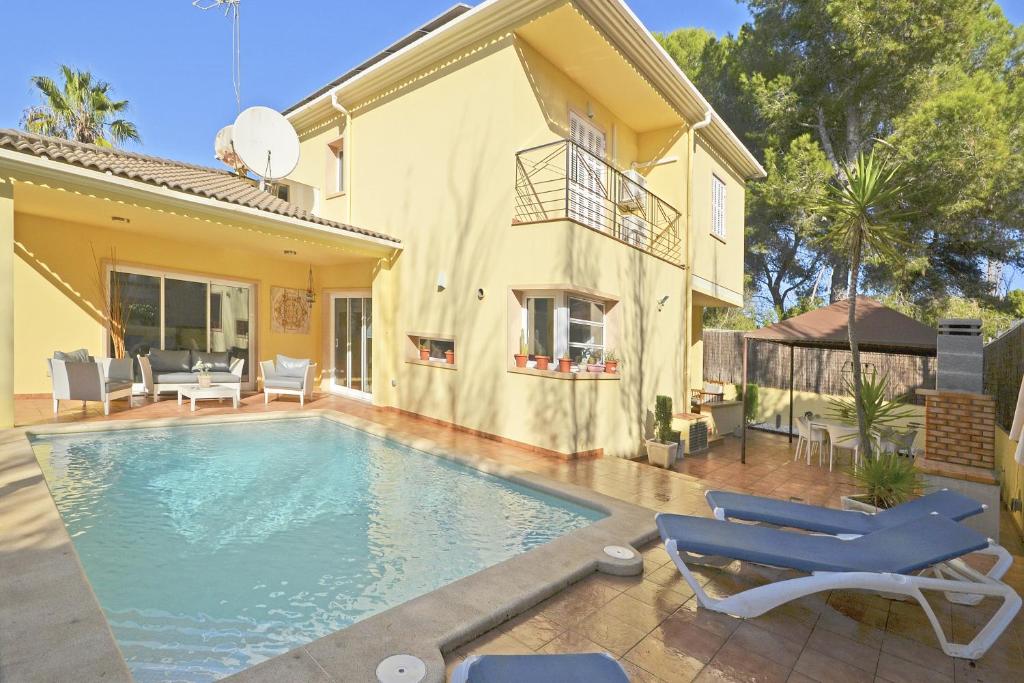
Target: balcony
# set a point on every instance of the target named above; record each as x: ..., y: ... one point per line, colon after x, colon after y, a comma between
x: 562, y: 180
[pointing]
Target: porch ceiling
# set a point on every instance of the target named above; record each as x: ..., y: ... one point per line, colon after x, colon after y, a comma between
x: 168, y: 223
x: 571, y: 43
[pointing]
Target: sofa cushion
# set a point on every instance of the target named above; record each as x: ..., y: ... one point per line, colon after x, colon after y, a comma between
x: 282, y: 382
x: 79, y: 356
x: 220, y: 361
x: 170, y: 361
x: 290, y: 367
x: 176, y: 378
x: 193, y: 378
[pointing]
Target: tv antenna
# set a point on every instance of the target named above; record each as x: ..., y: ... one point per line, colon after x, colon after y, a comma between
x: 231, y: 11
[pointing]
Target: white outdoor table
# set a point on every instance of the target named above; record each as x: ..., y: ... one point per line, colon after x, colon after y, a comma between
x: 194, y: 393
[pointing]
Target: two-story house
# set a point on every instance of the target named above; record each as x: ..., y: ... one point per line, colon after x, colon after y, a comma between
x: 529, y: 178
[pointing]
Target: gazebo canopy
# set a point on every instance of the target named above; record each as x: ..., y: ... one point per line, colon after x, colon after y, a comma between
x: 878, y: 327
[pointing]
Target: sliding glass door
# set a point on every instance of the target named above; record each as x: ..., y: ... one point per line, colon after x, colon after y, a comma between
x: 352, y: 340
x: 172, y: 311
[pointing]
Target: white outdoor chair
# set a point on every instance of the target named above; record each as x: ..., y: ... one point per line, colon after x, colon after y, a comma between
x: 99, y: 379
x: 288, y: 376
x: 809, y: 437
x: 843, y: 437
x: 898, y: 442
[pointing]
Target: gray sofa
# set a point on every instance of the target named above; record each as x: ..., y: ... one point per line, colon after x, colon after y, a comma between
x: 169, y: 370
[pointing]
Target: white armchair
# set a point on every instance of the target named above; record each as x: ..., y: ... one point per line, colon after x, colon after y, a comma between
x: 101, y: 379
x: 288, y: 376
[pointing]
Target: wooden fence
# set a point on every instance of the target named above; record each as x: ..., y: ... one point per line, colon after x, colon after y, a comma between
x: 1004, y: 370
x: 820, y: 371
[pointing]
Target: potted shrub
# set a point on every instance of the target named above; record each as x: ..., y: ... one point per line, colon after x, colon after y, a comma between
x: 449, y: 357
x: 565, y: 363
x: 661, y: 450
x: 542, y: 362
x: 523, y: 351
x: 424, y: 350
x: 886, y: 481
x: 611, y: 362
x: 594, y: 363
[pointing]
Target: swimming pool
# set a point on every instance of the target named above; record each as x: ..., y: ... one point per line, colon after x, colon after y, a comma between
x: 213, y: 547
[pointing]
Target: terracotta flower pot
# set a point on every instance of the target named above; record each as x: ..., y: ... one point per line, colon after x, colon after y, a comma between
x: 521, y: 360
x: 424, y: 354
x: 542, y: 362
x: 611, y: 366
x: 449, y: 357
x: 565, y: 365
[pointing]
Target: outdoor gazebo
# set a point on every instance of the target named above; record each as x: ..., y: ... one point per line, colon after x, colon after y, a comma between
x: 878, y: 328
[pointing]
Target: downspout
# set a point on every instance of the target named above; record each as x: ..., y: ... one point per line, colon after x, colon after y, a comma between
x: 346, y: 146
x: 687, y: 250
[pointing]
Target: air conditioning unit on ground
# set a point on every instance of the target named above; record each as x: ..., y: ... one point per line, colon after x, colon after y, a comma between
x: 632, y: 190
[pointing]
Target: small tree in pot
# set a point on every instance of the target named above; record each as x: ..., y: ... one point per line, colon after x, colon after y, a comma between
x: 523, y: 354
x: 661, y: 450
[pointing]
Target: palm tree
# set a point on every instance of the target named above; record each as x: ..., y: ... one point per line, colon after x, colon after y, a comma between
x: 865, y: 222
x: 81, y: 109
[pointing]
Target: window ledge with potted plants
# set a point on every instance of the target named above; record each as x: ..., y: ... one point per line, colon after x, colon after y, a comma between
x: 431, y: 350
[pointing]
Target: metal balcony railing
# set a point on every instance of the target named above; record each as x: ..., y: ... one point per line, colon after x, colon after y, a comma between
x: 563, y: 180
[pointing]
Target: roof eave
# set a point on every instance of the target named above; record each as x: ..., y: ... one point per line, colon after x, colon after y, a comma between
x: 24, y: 167
x: 614, y: 18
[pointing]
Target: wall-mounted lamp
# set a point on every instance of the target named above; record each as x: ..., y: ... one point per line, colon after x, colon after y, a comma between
x: 590, y: 110
x: 480, y: 293
x: 442, y: 281
x: 310, y: 294
x: 662, y: 301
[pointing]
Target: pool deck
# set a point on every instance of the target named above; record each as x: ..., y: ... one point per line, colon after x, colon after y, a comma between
x: 650, y: 621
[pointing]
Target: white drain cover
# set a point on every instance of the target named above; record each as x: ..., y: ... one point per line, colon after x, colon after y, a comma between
x: 401, y: 669
x: 619, y: 552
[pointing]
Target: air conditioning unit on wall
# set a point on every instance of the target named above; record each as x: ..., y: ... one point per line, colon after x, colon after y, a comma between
x: 632, y: 190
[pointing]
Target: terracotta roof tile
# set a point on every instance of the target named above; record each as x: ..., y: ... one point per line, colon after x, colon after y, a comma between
x: 174, y: 175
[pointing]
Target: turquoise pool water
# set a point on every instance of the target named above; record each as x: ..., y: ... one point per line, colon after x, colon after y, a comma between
x: 214, y: 547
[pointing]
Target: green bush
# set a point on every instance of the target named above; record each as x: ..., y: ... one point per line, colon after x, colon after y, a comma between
x: 663, y: 418
x: 887, y: 480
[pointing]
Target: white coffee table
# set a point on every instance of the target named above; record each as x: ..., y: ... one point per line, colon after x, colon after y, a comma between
x: 194, y: 393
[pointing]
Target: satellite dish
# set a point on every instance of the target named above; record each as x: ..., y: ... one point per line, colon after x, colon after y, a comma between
x: 224, y: 150
x: 265, y: 142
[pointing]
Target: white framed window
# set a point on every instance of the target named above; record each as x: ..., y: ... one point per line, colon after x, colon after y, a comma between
x: 717, y: 206
x: 339, y: 169
x: 555, y: 323
x: 336, y: 166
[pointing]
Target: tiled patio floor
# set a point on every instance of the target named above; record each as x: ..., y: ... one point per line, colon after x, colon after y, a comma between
x: 652, y: 622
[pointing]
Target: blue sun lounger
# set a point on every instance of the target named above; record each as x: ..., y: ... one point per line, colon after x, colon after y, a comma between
x: 727, y: 505
x: 596, y: 667
x: 885, y: 561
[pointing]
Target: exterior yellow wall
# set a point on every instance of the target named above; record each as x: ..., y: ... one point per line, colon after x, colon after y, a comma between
x: 1011, y: 475
x: 434, y: 165
x: 7, y: 361
x: 716, y: 260
x: 57, y: 299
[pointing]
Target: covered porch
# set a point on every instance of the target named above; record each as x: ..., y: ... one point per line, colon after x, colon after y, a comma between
x: 199, y: 259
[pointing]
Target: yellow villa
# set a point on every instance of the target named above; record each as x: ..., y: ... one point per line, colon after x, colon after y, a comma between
x: 529, y: 173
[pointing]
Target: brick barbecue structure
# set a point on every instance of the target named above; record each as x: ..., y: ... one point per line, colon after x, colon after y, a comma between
x: 960, y: 428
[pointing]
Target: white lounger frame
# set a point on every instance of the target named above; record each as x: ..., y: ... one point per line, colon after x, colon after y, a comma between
x: 953, y: 568
x: 756, y: 601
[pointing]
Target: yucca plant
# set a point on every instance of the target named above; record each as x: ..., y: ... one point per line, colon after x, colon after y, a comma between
x: 887, y: 480
x: 879, y: 415
x: 866, y: 221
